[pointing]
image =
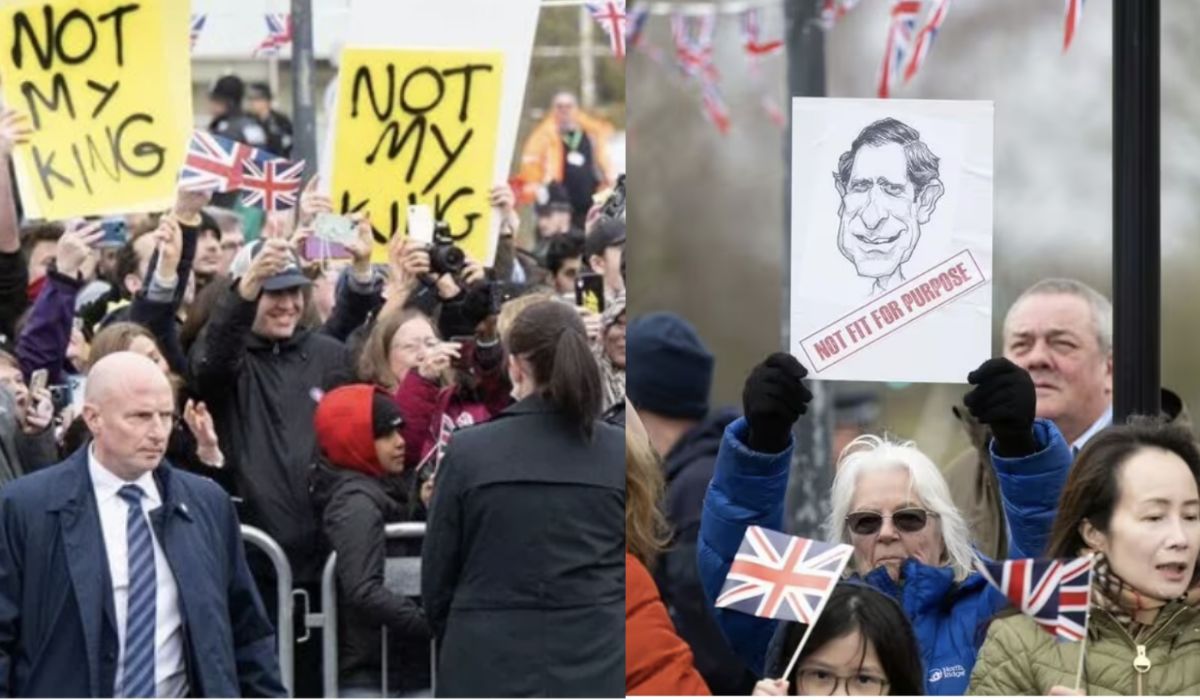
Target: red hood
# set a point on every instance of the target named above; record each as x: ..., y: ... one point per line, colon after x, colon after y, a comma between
x: 345, y: 432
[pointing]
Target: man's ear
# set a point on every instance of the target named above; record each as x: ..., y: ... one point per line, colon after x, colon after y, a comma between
x: 596, y: 263
x: 927, y: 200
x: 91, y: 417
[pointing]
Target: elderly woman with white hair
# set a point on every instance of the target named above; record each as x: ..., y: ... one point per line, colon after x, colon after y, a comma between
x: 892, y: 504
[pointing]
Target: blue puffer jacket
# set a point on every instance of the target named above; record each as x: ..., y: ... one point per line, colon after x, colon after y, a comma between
x: 949, y: 619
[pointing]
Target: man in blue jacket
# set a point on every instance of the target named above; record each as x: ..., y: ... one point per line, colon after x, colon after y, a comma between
x: 120, y: 575
x: 949, y: 616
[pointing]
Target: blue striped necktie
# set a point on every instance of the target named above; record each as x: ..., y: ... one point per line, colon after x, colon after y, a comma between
x: 138, y: 679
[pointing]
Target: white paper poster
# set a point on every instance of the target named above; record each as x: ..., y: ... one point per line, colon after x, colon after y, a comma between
x: 891, y: 238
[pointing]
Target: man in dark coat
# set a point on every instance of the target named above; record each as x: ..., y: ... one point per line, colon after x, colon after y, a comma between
x: 668, y: 379
x: 261, y: 376
x: 122, y: 576
x: 523, y: 571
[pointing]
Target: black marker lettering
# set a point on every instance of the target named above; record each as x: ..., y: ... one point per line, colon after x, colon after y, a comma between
x: 46, y: 170
x: 59, y: 93
x: 108, y: 92
x: 451, y: 155
x: 61, y: 45
x: 466, y: 72
x: 117, y: 16
x: 363, y: 75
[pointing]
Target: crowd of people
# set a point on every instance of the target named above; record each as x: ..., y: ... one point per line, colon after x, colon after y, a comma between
x: 1049, y: 476
x: 208, y: 371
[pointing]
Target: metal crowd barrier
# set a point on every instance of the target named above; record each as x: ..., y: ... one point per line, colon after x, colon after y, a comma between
x: 402, y: 575
x: 283, y: 586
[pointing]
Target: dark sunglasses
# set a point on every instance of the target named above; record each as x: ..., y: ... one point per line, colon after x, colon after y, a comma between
x: 905, y: 520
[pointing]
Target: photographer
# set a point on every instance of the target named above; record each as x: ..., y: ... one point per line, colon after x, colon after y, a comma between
x: 26, y: 442
x: 457, y: 383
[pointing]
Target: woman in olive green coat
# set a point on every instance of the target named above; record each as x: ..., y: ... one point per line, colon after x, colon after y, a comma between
x: 1132, y: 500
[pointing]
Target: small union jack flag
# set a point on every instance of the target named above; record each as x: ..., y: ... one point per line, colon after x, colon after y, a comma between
x: 271, y: 183
x: 635, y: 33
x: 197, y: 26
x: 1074, y: 13
x: 752, y: 42
x: 279, y: 34
x: 925, y: 38
x: 782, y: 577
x: 611, y: 16
x: 213, y: 164
x: 900, y: 35
x: 1054, y: 592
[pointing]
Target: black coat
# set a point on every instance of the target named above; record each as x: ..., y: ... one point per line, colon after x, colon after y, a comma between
x: 689, y: 468
x: 260, y: 394
x: 354, y: 509
x: 523, y: 574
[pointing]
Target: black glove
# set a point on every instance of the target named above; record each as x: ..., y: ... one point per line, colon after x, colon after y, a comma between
x: 1004, y: 399
x: 773, y: 398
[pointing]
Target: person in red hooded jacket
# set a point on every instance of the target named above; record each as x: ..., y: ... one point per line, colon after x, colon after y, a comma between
x: 359, y: 434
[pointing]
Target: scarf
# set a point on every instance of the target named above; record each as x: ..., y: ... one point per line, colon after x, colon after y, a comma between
x: 1132, y: 609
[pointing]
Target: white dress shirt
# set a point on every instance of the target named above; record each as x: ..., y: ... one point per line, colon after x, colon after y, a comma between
x: 1101, y: 423
x: 170, y: 673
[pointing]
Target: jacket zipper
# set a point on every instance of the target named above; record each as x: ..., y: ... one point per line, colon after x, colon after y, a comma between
x: 1141, y: 662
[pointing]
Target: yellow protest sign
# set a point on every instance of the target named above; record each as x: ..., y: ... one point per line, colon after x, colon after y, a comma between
x: 107, y: 87
x: 418, y: 127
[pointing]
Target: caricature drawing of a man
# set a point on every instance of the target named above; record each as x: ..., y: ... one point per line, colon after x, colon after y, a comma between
x: 888, y: 183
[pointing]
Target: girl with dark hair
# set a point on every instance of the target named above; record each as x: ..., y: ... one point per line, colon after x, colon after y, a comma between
x: 1132, y: 501
x: 522, y: 570
x: 861, y: 645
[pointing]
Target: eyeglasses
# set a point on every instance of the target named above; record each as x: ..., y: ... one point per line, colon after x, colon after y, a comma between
x: 906, y: 520
x: 815, y: 681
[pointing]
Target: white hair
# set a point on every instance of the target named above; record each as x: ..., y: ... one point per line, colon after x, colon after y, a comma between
x: 1099, y: 305
x: 871, y: 453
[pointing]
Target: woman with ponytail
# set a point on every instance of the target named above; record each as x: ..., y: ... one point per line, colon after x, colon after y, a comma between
x: 522, y: 577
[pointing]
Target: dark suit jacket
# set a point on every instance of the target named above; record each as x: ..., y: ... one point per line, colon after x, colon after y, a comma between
x: 57, y: 625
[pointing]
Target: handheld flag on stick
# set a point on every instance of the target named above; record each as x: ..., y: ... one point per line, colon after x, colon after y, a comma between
x: 1056, y: 593
x: 213, y: 163
x: 272, y: 183
x: 783, y: 577
x: 611, y: 16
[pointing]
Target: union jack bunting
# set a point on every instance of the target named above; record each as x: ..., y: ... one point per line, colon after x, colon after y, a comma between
x: 611, y: 16
x: 279, y: 34
x: 197, y: 26
x: 693, y: 37
x: 752, y: 42
x: 901, y: 28
x: 1074, y: 12
x: 925, y: 37
x: 714, y: 106
x: 782, y: 577
x: 832, y: 11
x: 271, y: 183
x: 213, y: 164
x: 1054, y: 592
x: 635, y: 29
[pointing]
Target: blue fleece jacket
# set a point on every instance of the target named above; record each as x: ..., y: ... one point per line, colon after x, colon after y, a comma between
x: 949, y: 618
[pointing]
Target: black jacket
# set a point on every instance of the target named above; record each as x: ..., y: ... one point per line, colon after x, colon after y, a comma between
x: 354, y: 509
x: 689, y: 468
x: 523, y: 565
x: 261, y: 396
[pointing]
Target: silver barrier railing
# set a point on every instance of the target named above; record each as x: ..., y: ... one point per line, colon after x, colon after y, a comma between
x: 283, y: 597
x: 327, y: 619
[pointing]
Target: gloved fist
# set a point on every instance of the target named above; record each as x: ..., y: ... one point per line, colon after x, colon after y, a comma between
x: 773, y: 398
x: 1005, y: 400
